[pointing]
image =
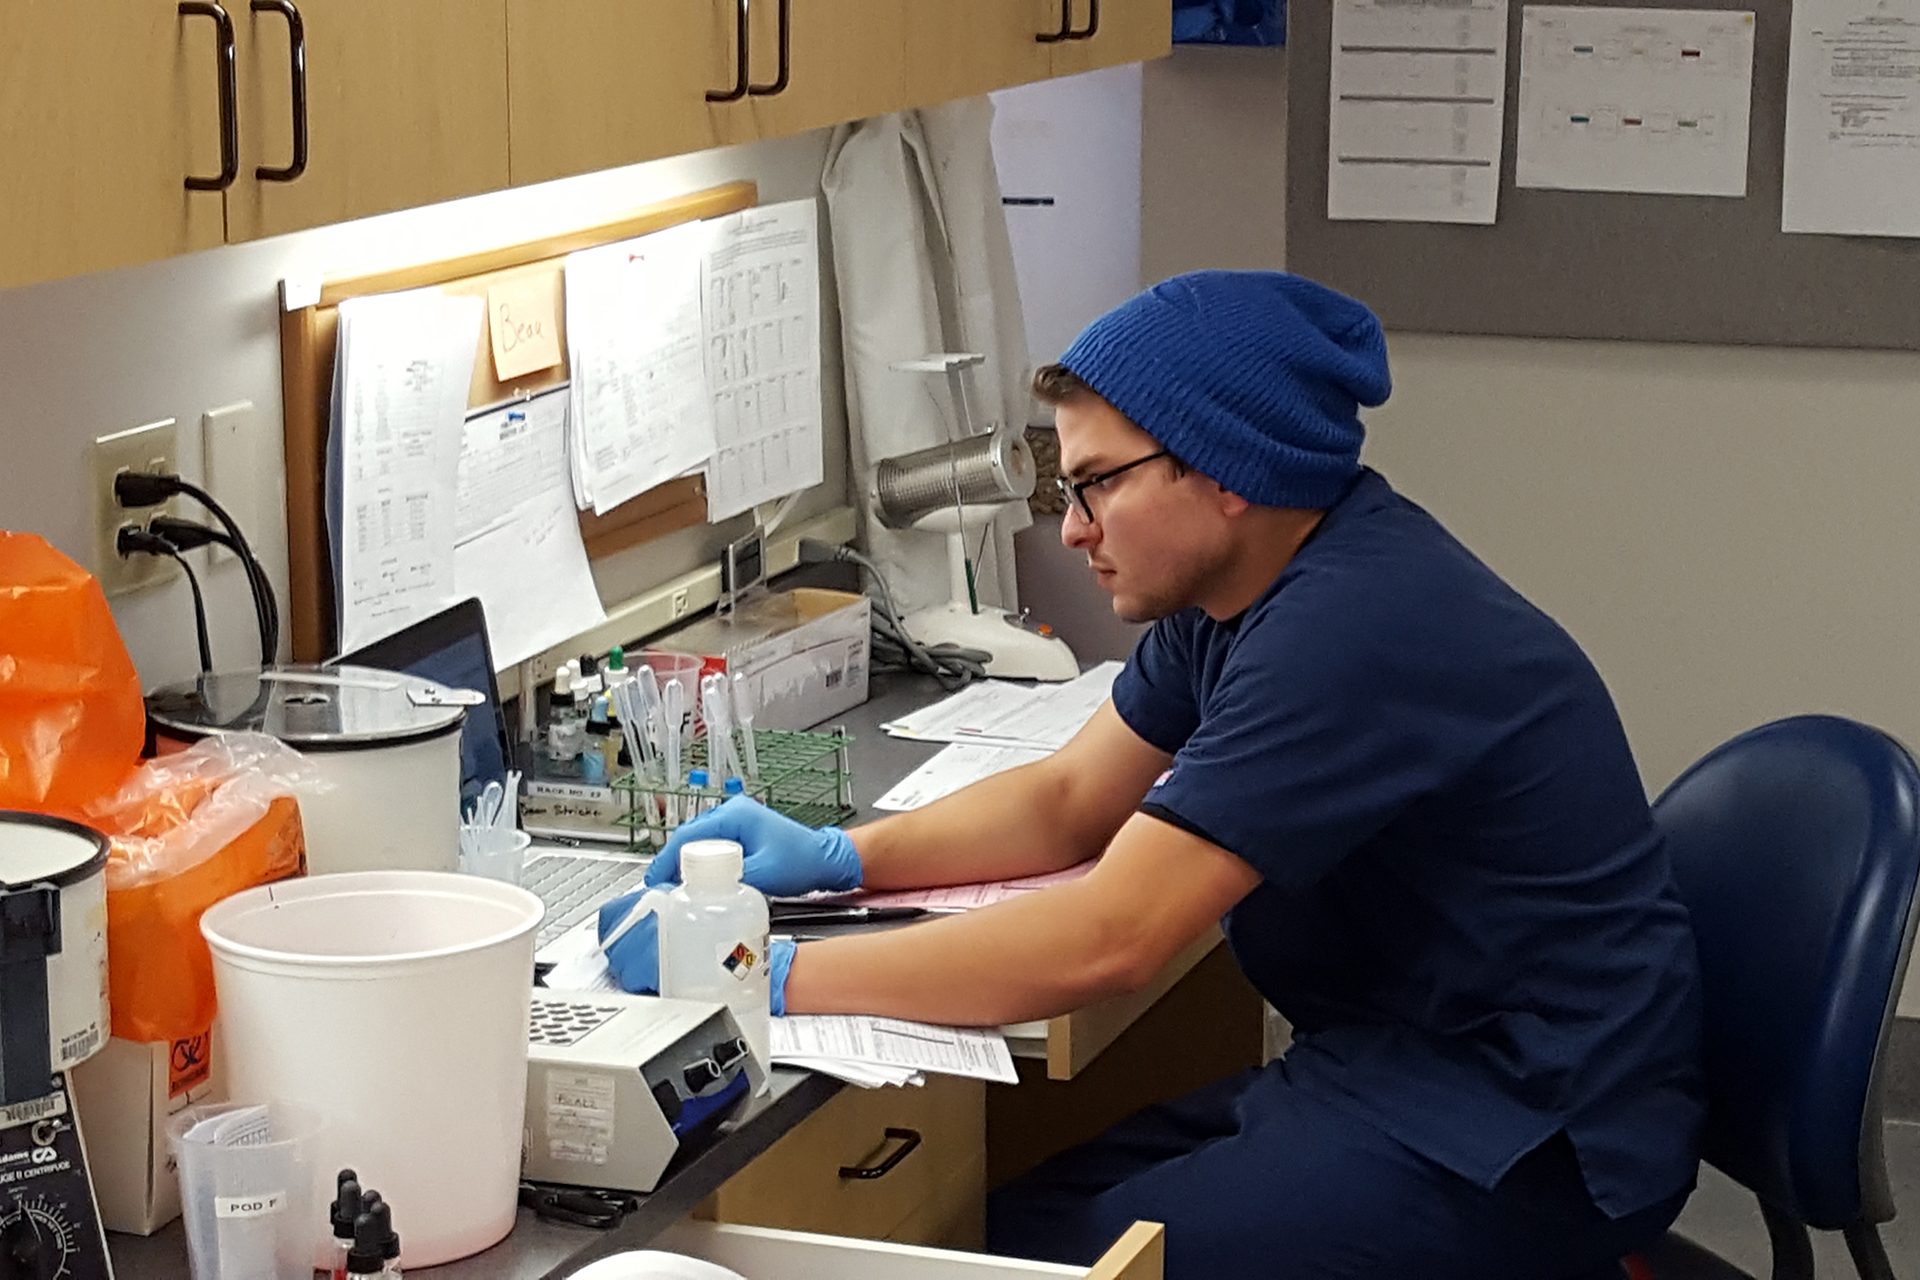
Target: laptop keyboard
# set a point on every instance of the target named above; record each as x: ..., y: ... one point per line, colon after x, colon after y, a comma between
x: 573, y: 887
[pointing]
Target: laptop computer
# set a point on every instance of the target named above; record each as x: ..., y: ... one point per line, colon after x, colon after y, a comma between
x: 451, y: 648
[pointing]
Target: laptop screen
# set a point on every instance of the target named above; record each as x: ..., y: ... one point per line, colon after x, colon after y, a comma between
x: 451, y: 648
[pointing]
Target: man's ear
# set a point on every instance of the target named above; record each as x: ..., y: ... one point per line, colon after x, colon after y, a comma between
x: 1230, y: 503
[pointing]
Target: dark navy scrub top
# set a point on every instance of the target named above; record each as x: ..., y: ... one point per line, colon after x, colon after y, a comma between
x: 1465, y: 909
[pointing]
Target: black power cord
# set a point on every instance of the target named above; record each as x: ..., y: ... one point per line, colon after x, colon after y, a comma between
x: 894, y: 649
x: 144, y: 489
x: 189, y: 534
x: 132, y: 541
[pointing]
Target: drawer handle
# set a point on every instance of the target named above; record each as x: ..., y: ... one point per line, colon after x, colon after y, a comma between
x: 1066, y: 26
x: 1092, y: 28
x: 229, y: 96
x: 297, y: 68
x: 908, y: 1140
x: 741, y: 36
x: 780, y: 81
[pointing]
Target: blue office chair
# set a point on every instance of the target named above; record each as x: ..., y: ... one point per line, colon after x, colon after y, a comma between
x: 1797, y: 849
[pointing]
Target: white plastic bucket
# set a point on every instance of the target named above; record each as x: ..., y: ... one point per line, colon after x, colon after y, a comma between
x: 393, y: 1004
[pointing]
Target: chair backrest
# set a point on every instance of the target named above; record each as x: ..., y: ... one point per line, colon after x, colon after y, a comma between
x: 1796, y: 848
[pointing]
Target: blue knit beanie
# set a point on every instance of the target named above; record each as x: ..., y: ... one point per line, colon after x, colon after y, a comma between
x: 1253, y: 378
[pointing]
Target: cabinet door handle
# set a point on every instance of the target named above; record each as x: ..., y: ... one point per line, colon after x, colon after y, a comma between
x: 297, y: 58
x: 1092, y: 28
x: 229, y: 96
x: 740, y: 40
x: 779, y: 84
x: 1066, y: 26
x: 908, y: 1139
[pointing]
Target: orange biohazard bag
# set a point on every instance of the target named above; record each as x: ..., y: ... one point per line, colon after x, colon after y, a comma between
x: 71, y: 716
x: 185, y: 831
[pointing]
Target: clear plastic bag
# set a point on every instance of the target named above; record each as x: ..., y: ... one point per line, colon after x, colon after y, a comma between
x: 185, y: 831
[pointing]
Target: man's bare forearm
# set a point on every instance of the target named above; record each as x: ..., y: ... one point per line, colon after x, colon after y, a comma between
x: 980, y: 969
x: 1012, y: 824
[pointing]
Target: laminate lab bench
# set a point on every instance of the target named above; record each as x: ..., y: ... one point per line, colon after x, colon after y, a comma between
x: 777, y: 1166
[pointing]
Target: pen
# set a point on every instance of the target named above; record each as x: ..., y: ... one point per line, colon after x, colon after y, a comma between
x: 805, y: 913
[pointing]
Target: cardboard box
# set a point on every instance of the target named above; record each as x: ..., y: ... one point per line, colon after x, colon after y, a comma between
x: 125, y: 1095
x: 805, y: 653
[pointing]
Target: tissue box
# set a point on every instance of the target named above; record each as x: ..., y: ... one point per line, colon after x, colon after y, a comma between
x: 125, y: 1094
x: 805, y: 653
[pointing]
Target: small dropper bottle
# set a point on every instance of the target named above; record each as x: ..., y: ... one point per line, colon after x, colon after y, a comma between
x: 346, y: 1207
x: 368, y: 1257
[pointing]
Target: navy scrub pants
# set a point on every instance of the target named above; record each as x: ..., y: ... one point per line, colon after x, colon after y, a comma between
x: 1253, y: 1177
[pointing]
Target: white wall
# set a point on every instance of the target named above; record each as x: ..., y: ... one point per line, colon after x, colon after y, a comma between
x: 1077, y: 142
x: 81, y: 358
x: 1213, y: 160
x: 1729, y: 532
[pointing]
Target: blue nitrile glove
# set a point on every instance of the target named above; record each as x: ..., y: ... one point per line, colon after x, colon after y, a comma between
x: 779, y: 964
x: 635, y: 956
x: 783, y: 858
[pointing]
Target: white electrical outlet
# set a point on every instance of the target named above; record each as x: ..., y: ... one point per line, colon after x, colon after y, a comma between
x: 152, y: 448
x: 237, y: 474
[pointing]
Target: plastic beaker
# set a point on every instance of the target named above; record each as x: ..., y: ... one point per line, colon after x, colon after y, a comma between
x: 498, y: 853
x: 684, y: 667
x: 247, y: 1189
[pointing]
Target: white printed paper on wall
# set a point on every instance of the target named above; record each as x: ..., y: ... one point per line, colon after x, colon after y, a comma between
x: 404, y: 366
x: 761, y: 286
x: 640, y: 413
x: 518, y: 547
x: 1853, y: 119
x: 1414, y: 123
x: 1645, y: 100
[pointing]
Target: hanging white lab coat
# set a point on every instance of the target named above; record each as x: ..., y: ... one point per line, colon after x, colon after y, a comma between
x: 923, y: 265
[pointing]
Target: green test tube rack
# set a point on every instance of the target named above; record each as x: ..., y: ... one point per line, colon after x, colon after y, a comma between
x: 808, y: 776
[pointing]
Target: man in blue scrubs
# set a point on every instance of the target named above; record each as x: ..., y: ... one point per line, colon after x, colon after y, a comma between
x: 1402, y: 789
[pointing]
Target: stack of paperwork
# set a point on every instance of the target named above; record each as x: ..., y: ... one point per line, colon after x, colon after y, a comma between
x: 993, y: 726
x: 871, y: 1052
x: 641, y: 414
x: 698, y: 347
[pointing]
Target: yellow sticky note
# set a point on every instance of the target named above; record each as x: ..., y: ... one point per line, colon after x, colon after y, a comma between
x: 523, y: 319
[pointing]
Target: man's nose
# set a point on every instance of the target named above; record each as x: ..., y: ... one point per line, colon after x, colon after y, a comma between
x: 1076, y: 530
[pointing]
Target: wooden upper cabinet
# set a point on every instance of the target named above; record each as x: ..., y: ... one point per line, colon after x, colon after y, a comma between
x: 105, y: 110
x: 108, y: 107
x: 962, y: 50
x: 1121, y: 31
x: 821, y: 62
x: 600, y: 83
x: 405, y: 105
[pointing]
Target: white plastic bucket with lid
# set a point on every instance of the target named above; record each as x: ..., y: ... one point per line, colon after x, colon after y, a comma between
x: 384, y: 749
x: 393, y: 1004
